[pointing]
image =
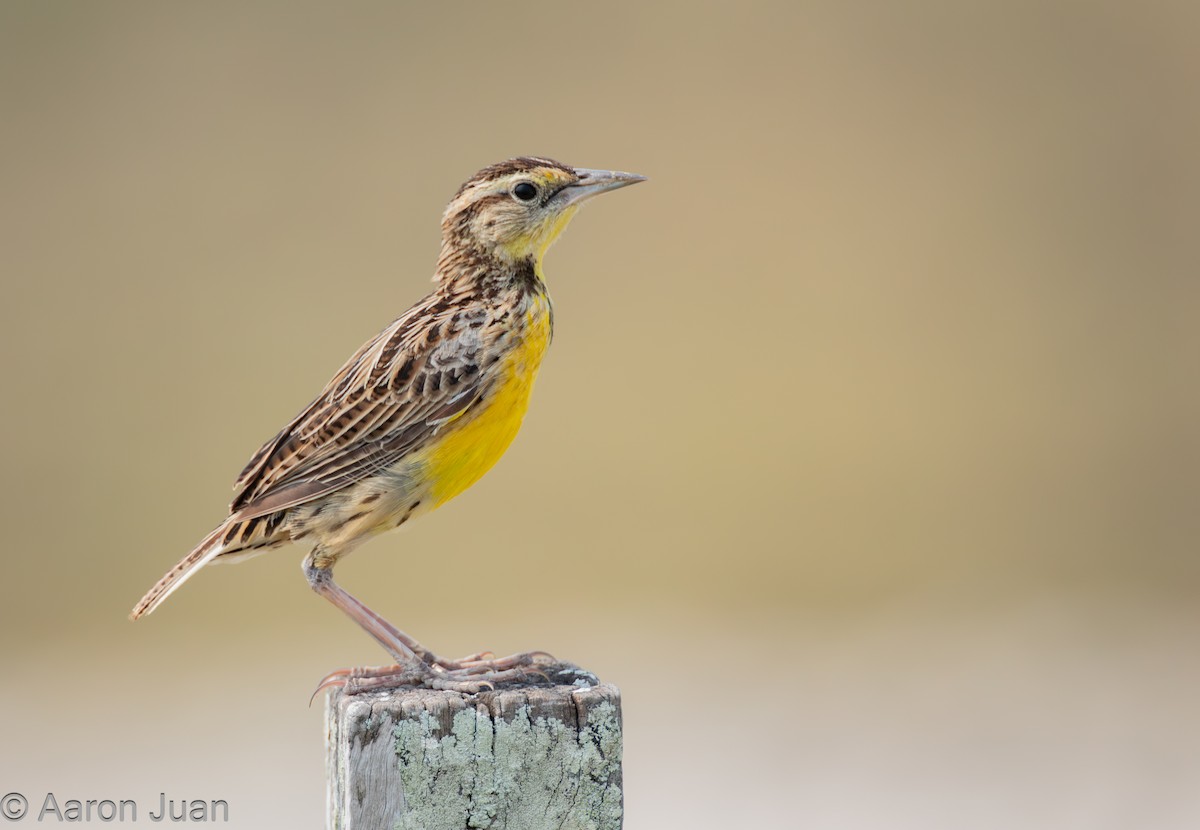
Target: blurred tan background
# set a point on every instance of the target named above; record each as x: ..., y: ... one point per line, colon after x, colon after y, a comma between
x: 864, y: 461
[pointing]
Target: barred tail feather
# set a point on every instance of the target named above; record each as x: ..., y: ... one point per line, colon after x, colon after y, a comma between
x: 211, y: 546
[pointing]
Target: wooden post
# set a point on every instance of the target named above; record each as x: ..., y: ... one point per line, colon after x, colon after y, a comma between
x: 545, y: 757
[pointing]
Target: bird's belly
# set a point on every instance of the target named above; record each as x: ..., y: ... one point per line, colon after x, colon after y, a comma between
x: 472, y: 444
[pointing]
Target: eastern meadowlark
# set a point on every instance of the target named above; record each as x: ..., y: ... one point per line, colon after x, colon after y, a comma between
x: 419, y: 413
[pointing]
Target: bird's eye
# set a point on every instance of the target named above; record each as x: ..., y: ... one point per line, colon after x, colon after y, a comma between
x: 525, y: 191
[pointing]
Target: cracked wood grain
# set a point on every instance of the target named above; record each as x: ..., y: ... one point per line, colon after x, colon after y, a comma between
x: 529, y: 758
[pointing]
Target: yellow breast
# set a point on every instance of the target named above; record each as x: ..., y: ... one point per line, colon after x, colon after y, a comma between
x: 472, y: 445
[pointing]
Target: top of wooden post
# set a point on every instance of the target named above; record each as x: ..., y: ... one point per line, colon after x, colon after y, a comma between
x: 521, y: 756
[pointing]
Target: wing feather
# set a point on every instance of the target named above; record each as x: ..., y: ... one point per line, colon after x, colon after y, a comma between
x: 384, y: 403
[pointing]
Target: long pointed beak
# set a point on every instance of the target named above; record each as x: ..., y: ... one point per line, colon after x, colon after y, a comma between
x: 594, y: 182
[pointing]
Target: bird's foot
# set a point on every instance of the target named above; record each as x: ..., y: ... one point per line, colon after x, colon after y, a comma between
x: 486, y: 661
x: 470, y: 675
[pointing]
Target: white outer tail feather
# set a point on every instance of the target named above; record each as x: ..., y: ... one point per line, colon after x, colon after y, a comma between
x: 203, y: 553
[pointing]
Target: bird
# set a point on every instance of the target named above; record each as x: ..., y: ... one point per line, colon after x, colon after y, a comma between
x: 417, y: 415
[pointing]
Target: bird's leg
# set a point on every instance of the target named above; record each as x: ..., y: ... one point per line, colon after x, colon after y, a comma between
x: 415, y: 664
x: 404, y: 649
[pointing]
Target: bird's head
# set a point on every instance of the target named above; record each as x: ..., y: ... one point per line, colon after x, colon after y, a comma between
x: 514, y: 210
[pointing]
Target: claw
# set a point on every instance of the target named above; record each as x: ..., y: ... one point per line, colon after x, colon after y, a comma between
x: 354, y: 680
x: 328, y: 683
x: 513, y: 660
x: 489, y: 662
x: 462, y: 661
x: 470, y: 675
x: 334, y: 677
x: 467, y: 687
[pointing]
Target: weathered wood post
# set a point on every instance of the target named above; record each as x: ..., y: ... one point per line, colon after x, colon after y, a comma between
x: 521, y: 757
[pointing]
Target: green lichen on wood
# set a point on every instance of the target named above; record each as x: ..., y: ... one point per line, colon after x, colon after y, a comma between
x: 530, y: 773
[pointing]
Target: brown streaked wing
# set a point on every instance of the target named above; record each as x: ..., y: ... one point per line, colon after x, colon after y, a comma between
x: 388, y: 399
